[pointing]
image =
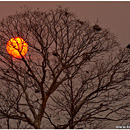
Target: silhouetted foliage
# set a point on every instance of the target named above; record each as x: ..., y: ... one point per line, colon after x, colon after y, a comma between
x: 74, y: 75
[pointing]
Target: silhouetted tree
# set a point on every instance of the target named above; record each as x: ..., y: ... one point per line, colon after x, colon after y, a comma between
x: 72, y: 76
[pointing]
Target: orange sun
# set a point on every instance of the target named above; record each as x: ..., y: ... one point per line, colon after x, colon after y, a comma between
x: 17, y: 47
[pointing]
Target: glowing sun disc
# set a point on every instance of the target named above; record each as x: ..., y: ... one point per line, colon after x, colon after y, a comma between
x: 17, y: 47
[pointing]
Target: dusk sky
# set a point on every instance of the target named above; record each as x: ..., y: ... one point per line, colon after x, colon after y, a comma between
x: 112, y: 15
x: 64, y: 57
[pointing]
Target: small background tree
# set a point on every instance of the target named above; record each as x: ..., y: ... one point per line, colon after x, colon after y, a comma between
x: 74, y: 75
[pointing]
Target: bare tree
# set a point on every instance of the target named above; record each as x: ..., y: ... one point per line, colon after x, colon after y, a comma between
x: 74, y: 75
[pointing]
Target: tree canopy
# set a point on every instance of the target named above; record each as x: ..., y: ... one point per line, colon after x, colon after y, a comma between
x: 74, y: 75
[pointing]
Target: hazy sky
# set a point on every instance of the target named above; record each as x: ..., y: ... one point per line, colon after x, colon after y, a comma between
x: 112, y: 15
